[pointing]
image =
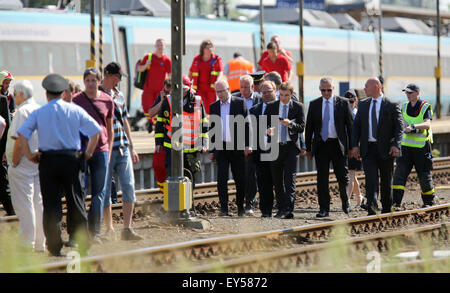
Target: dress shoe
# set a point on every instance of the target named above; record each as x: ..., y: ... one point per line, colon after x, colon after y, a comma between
x: 224, y: 214
x: 279, y: 214
x: 266, y: 216
x: 346, y: 207
x: 129, y: 234
x: 322, y: 214
x: 71, y: 243
x: 288, y: 216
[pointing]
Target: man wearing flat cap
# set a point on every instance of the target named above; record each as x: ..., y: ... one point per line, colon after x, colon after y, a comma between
x: 59, y: 125
x: 416, y: 147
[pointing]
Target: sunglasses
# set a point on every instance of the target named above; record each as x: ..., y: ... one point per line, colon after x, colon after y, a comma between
x: 91, y: 70
x: 326, y: 90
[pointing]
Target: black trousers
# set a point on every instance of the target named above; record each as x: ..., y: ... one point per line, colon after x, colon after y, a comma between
x: 372, y: 164
x: 250, y: 182
x: 284, y: 169
x: 5, y: 196
x: 62, y: 173
x: 329, y: 151
x: 265, y: 186
x: 234, y: 159
x: 421, y: 159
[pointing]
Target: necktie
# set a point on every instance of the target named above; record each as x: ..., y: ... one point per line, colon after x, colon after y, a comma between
x: 283, y: 128
x: 374, y: 118
x: 326, y: 121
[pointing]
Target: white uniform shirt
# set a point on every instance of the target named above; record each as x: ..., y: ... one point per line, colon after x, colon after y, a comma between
x: 22, y: 113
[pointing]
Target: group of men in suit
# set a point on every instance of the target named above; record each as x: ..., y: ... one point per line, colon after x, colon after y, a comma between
x: 246, y: 156
x: 267, y: 153
x: 374, y: 136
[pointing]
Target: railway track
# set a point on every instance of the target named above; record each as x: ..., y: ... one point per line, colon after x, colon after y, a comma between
x: 169, y: 257
x: 206, y: 195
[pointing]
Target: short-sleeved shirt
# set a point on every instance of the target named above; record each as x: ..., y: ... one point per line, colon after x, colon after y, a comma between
x: 204, y: 69
x: 59, y: 125
x: 105, y: 107
x: 266, y: 53
x: 157, y: 72
x: 23, y: 112
x: 414, y: 111
x: 281, y: 65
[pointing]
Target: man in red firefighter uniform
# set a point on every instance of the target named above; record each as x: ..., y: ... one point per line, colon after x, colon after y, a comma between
x: 195, y: 130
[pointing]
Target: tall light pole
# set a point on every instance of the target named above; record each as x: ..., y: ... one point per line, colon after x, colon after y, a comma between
x: 301, y: 64
x: 91, y: 62
x: 380, y: 44
x: 437, y: 69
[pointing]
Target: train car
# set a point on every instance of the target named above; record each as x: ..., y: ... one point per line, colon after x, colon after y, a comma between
x: 34, y: 44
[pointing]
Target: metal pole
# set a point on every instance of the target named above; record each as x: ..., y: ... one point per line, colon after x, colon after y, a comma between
x: 301, y: 64
x: 380, y: 44
x: 91, y: 62
x: 100, y: 28
x: 438, y: 70
x: 177, y: 92
x: 261, y: 28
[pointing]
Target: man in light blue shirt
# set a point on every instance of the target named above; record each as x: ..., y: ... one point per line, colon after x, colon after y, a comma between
x: 58, y: 125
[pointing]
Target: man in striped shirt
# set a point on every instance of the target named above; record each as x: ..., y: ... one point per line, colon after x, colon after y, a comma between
x: 123, y: 156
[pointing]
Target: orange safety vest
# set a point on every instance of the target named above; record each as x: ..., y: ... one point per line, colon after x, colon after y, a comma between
x: 191, y: 123
x: 237, y: 67
x: 213, y: 73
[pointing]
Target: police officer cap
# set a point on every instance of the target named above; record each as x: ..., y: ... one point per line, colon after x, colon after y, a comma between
x: 258, y: 76
x: 55, y: 83
x: 412, y: 88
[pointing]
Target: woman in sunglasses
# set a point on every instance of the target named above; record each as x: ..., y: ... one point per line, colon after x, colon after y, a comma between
x: 354, y: 164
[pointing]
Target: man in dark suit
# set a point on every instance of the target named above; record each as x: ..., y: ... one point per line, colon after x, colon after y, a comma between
x: 378, y: 130
x: 263, y: 175
x: 229, y: 143
x: 251, y: 98
x: 5, y: 196
x: 292, y: 122
x: 328, y: 133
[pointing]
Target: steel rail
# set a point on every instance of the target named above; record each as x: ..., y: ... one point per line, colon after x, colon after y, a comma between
x: 293, y: 258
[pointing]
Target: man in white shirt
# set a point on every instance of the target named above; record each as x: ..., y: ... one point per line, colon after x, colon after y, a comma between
x: 23, y: 174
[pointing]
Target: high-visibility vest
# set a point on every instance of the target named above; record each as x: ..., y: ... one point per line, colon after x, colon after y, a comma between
x: 418, y: 139
x: 237, y: 67
x: 213, y: 73
x: 191, y: 125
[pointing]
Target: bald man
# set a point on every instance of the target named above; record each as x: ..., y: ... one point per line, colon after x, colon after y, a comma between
x: 378, y: 130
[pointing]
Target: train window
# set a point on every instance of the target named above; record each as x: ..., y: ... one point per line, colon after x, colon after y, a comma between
x: 27, y: 58
x: 2, y: 60
x: 41, y: 62
x: 57, y: 59
x: 70, y: 59
x: 12, y: 58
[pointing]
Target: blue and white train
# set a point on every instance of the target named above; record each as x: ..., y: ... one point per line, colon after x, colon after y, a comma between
x: 34, y: 44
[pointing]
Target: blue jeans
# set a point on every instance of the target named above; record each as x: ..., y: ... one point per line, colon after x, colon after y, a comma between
x: 98, y: 166
x: 123, y: 166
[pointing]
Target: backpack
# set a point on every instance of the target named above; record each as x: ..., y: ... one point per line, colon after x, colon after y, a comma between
x: 139, y: 77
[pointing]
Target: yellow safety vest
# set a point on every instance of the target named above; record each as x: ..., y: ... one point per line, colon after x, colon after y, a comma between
x: 418, y: 139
